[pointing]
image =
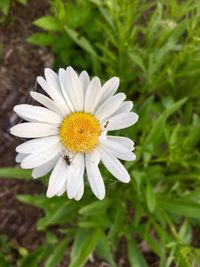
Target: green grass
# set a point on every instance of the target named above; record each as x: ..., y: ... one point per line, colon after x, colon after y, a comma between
x: 154, y: 47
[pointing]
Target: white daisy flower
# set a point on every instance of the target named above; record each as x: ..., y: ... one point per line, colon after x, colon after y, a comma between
x: 69, y: 134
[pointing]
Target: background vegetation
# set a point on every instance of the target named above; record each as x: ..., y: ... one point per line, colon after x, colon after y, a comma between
x: 154, y: 47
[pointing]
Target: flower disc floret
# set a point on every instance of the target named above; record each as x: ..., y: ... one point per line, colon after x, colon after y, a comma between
x: 79, y: 132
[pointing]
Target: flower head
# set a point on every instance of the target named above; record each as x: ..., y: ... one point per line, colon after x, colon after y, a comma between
x: 69, y: 133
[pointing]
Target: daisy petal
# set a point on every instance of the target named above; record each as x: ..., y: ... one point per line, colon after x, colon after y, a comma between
x: 93, y: 94
x: 74, y: 89
x: 45, y: 168
x: 62, y: 190
x: 37, y: 145
x: 118, y: 151
x: 33, y: 129
x: 121, y: 140
x: 38, y: 114
x: 20, y: 157
x: 37, y: 159
x: 58, y: 178
x: 110, y: 106
x: 52, y: 80
x: 44, y: 100
x: 94, y: 176
x: 59, y: 101
x: 85, y: 80
x: 114, y: 166
x: 62, y: 79
x: 122, y: 121
x: 108, y: 89
x: 79, y: 195
x: 76, y: 175
x: 126, y: 106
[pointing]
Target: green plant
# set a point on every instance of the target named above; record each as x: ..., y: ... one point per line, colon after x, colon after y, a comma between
x: 153, y: 46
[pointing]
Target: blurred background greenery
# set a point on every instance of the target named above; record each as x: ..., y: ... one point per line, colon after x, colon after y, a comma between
x: 154, y: 48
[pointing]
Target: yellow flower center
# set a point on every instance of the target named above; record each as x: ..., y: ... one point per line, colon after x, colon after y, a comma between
x: 79, y: 132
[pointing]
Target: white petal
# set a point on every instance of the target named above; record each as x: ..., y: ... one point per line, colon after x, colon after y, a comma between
x: 114, y: 166
x: 124, y: 141
x: 20, y: 157
x: 117, y: 150
x: 74, y: 89
x: 39, y: 158
x: 108, y: 89
x: 76, y: 175
x: 122, y: 121
x: 38, y: 144
x: 93, y: 94
x: 58, y: 99
x: 52, y: 80
x: 33, y: 129
x: 62, y: 190
x: 45, y: 168
x: 79, y: 195
x: 94, y: 176
x: 44, y: 100
x: 103, y: 135
x: 110, y: 106
x: 38, y: 114
x: 85, y: 80
x: 58, y: 178
x: 126, y: 106
x: 62, y: 78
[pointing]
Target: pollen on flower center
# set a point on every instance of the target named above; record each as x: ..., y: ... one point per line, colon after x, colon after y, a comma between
x: 79, y: 132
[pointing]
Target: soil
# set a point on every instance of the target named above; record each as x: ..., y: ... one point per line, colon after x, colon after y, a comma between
x: 20, y: 64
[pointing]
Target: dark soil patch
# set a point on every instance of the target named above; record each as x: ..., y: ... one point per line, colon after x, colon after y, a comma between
x: 20, y: 63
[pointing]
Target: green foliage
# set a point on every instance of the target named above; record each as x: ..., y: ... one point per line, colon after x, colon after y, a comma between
x: 16, y: 173
x: 153, y: 46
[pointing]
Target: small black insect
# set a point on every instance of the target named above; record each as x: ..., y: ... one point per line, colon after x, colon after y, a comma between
x: 67, y: 160
x: 106, y: 124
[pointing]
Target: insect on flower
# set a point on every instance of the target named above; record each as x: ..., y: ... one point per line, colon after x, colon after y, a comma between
x: 106, y: 124
x: 67, y: 160
x: 75, y: 119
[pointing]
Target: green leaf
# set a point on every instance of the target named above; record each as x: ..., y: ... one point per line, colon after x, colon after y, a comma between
x: 104, y: 250
x: 81, y: 235
x: 35, y: 200
x: 86, y: 248
x: 57, y: 210
x: 193, y: 138
x: 3, y: 261
x: 4, y: 6
x: 136, y: 259
x: 150, y: 198
x: 81, y: 41
x: 156, y: 130
x: 23, y: 2
x: 15, y: 173
x: 57, y: 255
x: 180, y: 207
x: 96, y: 207
x: 51, y: 238
x: 58, y: 215
x: 48, y: 23
x: 34, y: 258
x: 137, y: 60
x: 40, y: 39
